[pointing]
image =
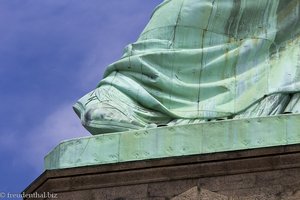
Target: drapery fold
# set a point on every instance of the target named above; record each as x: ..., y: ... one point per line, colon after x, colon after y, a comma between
x: 206, y: 59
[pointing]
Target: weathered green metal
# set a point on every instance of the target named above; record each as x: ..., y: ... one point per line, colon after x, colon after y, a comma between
x: 219, y: 136
x: 201, y: 59
x: 196, y: 62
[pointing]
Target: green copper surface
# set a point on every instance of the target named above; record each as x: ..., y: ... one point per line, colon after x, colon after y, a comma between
x: 219, y: 136
x: 199, y: 60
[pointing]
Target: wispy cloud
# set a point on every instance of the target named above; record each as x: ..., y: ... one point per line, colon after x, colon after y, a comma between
x: 60, y: 125
x: 52, y: 53
x: 61, y: 31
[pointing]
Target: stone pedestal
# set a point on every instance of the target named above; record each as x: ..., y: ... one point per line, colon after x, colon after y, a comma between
x: 265, y: 173
x: 256, y: 158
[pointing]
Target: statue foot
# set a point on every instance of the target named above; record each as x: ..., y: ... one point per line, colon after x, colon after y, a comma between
x: 107, y: 110
x: 104, y: 118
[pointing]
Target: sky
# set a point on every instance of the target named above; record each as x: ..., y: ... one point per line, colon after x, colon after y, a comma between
x: 52, y: 52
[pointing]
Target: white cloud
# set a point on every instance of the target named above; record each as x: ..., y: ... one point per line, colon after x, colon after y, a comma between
x: 110, y: 36
x: 62, y: 124
x: 8, y: 141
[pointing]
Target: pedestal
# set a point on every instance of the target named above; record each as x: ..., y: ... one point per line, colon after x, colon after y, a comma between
x: 255, y: 158
x: 266, y: 173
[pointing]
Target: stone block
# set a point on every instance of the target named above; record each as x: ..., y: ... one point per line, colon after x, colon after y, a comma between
x: 196, y: 193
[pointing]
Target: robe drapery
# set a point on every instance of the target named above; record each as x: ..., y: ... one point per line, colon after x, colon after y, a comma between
x: 204, y: 59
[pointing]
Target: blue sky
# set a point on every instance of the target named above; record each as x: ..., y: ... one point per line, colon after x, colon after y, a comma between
x: 52, y: 52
